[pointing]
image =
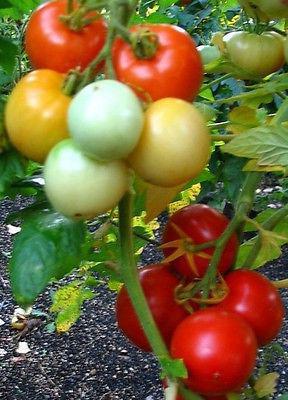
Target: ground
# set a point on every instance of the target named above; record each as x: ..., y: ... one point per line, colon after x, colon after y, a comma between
x: 93, y: 361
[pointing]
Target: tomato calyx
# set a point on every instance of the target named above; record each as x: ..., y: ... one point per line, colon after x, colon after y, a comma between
x: 144, y: 43
x: 217, y: 292
x: 79, y: 17
x: 185, y: 246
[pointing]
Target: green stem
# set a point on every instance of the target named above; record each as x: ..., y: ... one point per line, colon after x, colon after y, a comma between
x: 215, y: 81
x: 222, y: 138
x: 219, y: 125
x: 131, y: 280
x: 269, y: 225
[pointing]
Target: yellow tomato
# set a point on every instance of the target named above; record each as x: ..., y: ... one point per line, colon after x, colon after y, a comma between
x: 35, y: 114
x: 174, y: 146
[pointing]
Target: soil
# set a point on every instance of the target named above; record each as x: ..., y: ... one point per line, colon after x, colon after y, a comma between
x: 93, y: 361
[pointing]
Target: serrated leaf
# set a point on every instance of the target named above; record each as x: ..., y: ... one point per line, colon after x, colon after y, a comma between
x: 266, y: 384
x: 252, y: 165
x: 8, y: 53
x: 48, y: 247
x: 269, y: 145
x: 67, y: 303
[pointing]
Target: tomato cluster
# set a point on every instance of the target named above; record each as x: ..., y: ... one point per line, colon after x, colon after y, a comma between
x: 218, y: 344
x: 106, y: 131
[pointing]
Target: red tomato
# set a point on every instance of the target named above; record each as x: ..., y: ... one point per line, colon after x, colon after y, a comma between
x: 159, y: 286
x: 218, y: 348
x: 254, y: 297
x: 196, y: 224
x: 50, y: 43
x: 174, y: 71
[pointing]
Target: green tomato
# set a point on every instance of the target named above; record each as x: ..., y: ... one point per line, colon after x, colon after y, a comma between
x: 255, y: 55
x: 80, y: 187
x: 208, y: 53
x: 266, y: 9
x: 105, y: 119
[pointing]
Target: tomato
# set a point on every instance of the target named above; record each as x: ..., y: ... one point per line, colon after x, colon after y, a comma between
x: 196, y: 224
x: 159, y: 286
x: 268, y: 9
x: 80, y: 187
x: 50, y: 43
x: 267, y: 50
x: 208, y: 53
x: 174, y: 145
x: 105, y: 119
x: 254, y: 297
x: 174, y: 71
x: 218, y: 349
x: 36, y: 112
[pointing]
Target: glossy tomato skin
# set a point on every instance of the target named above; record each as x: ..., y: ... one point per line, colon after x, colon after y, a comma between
x: 174, y: 71
x: 218, y: 349
x: 268, y: 9
x: 51, y: 44
x: 105, y: 119
x: 36, y: 114
x: 158, y: 285
x: 267, y: 50
x: 254, y: 297
x: 199, y: 223
x: 174, y: 145
x: 80, y: 187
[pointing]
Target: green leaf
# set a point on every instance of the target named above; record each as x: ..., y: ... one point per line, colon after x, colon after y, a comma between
x: 67, y: 303
x: 173, y: 368
x: 266, y: 384
x: 12, y: 168
x: 269, y: 145
x: 8, y: 53
x: 5, y: 4
x: 48, y: 247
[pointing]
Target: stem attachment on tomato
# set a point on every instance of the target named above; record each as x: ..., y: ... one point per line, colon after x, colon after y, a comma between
x: 144, y: 43
x: 77, y: 18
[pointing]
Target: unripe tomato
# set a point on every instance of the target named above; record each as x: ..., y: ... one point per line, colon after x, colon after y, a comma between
x: 159, y: 288
x: 254, y: 297
x: 267, y: 50
x: 175, y: 70
x: 50, y: 43
x: 36, y: 113
x: 174, y: 145
x: 197, y: 224
x: 208, y: 53
x: 218, y: 349
x: 267, y: 9
x: 80, y: 187
x: 105, y: 119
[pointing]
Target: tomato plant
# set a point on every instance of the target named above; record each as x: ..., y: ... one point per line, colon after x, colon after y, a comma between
x: 254, y: 297
x: 175, y: 70
x: 80, y: 187
x: 41, y: 109
x: 174, y: 132
x: 267, y: 49
x: 51, y: 43
x: 194, y: 225
x: 218, y: 348
x: 159, y: 287
x: 105, y: 119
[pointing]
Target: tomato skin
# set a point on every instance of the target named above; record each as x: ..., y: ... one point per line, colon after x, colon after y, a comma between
x: 218, y: 349
x: 105, y: 119
x: 49, y: 43
x: 209, y: 53
x: 174, y: 71
x: 79, y: 187
x: 200, y: 223
x: 35, y: 114
x: 267, y: 9
x: 158, y: 285
x: 254, y: 297
x: 174, y: 145
x: 267, y: 50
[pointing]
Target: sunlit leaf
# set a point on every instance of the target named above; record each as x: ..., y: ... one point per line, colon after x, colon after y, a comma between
x: 266, y: 384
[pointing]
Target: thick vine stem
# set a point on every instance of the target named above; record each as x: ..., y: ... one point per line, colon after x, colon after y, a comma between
x: 131, y: 280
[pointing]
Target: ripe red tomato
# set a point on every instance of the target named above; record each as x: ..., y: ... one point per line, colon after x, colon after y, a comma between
x: 218, y: 349
x: 174, y: 71
x: 196, y: 224
x: 50, y: 43
x: 159, y: 286
x: 254, y: 297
